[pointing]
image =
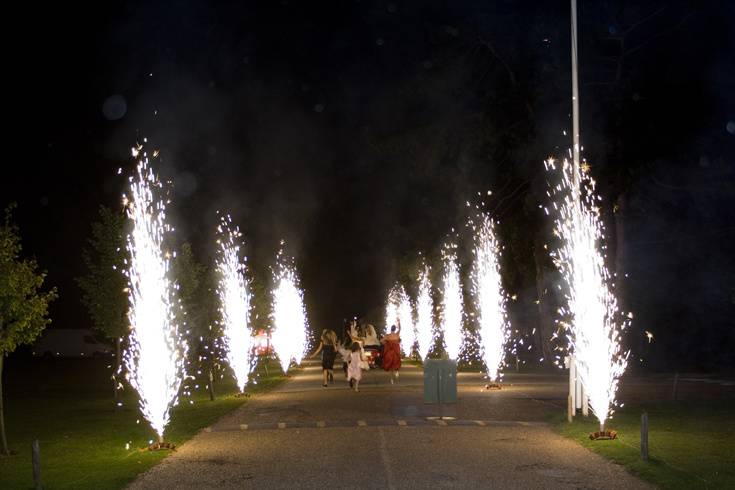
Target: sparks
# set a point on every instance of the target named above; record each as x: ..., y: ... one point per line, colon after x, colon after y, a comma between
x: 451, y: 303
x: 596, y: 325
x: 399, y: 311
x: 155, y: 357
x: 234, y: 302
x: 289, y: 314
x: 490, y: 298
x: 424, y: 314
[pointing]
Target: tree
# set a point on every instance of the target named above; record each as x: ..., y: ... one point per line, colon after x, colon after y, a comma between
x: 23, y: 306
x: 103, y: 286
x: 198, y: 306
x: 188, y: 274
x: 207, y: 329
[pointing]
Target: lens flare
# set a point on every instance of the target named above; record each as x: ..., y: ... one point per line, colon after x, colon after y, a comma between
x: 155, y: 357
x: 289, y: 335
x: 234, y: 301
x: 594, y: 323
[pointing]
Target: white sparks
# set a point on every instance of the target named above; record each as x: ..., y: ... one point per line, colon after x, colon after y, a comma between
x: 490, y: 297
x: 451, y: 303
x: 289, y: 314
x: 399, y: 311
x: 595, y: 327
x: 424, y: 314
x: 156, y: 352
x: 234, y: 302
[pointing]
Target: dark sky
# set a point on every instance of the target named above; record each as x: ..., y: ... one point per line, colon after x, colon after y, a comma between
x: 357, y: 130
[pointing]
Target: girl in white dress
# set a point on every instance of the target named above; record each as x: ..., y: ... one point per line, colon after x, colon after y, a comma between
x: 354, y: 370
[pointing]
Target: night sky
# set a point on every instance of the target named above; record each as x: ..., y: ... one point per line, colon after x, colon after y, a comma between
x: 357, y: 130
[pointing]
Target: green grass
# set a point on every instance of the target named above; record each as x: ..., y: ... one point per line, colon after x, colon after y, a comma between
x: 690, y: 443
x: 68, y: 406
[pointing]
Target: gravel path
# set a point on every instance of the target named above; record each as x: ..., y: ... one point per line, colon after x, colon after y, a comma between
x: 306, y: 436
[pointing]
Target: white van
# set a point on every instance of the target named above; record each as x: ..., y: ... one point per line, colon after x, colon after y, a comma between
x: 72, y: 342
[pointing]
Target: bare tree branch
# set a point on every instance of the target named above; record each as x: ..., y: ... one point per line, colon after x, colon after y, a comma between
x: 660, y: 34
x: 643, y: 21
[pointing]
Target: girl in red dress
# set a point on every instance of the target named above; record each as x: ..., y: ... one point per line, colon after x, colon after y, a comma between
x: 392, y: 352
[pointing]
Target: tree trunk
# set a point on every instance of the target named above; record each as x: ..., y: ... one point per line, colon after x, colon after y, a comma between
x: 3, y: 440
x: 544, y: 325
x: 211, y: 383
x: 620, y: 279
x: 118, y: 368
x: 621, y: 214
x: 620, y: 217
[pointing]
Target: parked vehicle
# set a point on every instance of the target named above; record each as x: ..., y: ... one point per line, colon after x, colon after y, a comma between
x: 374, y: 356
x: 262, y: 343
x: 71, y: 342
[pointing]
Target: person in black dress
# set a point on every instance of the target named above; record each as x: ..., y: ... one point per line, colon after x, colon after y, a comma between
x: 328, y: 348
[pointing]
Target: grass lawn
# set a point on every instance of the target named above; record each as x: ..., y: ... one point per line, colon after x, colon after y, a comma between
x: 690, y: 443
x: 67, y: 404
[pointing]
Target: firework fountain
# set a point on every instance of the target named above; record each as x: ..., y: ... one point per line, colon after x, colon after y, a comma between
x: 451, y: 302
x: 398, y: 310
x: 490, y: 298
x: 595, y: 324
x: 155, y: 357
x: 289, y: 313
x: 424, y: 314
x: 234, y: 302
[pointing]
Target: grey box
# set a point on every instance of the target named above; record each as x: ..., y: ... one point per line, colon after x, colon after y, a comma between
x: 440, y: 381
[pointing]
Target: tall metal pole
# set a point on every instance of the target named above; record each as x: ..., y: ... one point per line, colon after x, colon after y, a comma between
x: 575, y: 98
x: 574, y: 382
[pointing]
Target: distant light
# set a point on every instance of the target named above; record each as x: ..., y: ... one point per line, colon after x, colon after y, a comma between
x: 730, y: 127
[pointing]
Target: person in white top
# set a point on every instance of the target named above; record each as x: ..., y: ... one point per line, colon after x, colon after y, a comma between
x: 354, y: 370
x: 371, y: 337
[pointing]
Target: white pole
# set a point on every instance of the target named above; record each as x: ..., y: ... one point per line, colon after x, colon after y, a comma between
x: 577, y: 387
x: 575, y: 97
x: 573, y: 383
x: 580, y: 397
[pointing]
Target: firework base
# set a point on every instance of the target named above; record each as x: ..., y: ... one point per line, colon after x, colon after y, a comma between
x: 604, y: 435
x: 242, y: 395
x: 493, y: 386
x: 161, y: 446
